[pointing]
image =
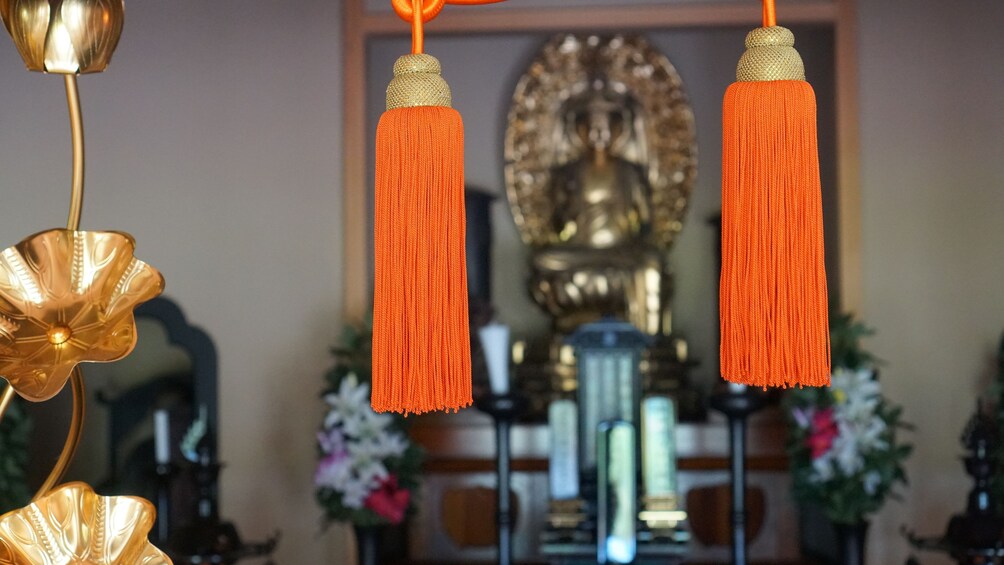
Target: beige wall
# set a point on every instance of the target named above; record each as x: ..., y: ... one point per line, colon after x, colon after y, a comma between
x: 932, y: 140
x: 214, y: 138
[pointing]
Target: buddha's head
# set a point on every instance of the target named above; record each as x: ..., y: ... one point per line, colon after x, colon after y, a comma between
x: 598, y: 118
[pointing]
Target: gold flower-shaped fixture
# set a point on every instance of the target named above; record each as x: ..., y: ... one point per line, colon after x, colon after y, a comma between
x: 64, y: 36
x: 74, y: 526
x: 66, y: 297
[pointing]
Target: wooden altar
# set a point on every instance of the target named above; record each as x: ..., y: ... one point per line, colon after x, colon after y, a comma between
x: 456, y: 518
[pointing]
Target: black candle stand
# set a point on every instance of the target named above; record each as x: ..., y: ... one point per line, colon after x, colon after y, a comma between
x: 165, y: 476
x: 207, y: 539
x: 505, y: 410
x: 975, y: 537
x: 738, y: 405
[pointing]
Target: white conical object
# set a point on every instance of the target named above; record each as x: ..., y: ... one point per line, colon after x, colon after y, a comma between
x: 495, y: 343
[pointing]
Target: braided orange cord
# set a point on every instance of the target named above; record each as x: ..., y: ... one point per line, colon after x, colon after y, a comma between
x: 418, y: 12
x: 417, y: 31
x: 769, y: 14
x: 431, y: 8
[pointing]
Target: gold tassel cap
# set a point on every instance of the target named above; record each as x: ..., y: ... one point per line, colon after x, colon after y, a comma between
x: 417, y: 82
x: 770, y: 55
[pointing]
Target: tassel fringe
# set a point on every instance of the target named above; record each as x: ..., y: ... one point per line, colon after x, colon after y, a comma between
x: 773, y: 297
x: 421, y: 341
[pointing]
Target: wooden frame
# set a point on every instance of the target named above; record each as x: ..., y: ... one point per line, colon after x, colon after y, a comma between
x: 359, y: 25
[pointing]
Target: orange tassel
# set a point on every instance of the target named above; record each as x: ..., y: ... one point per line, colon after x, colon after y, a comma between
x: 773, y: 299
x: 421, y: 342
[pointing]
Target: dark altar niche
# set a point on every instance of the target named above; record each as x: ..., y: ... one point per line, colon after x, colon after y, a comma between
x: 173, y: 371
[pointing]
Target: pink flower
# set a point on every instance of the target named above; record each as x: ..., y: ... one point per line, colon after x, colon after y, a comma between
x: 333, y: 470
x: 802, y: 417
x: 824, y: 431
x: 388, y: 501
x: 331, y: 441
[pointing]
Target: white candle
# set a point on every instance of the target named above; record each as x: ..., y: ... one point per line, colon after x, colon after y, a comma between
x: 563, y: 468
x: 658, y: 444
x: 681, y: 350
x: 162, y: 436
x: 495, y: 343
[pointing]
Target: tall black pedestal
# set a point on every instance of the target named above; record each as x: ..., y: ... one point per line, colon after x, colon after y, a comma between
x: 738, y: 403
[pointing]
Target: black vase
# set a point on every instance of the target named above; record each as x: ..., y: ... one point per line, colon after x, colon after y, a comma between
x: 368, y: 544
x: 851, y: 542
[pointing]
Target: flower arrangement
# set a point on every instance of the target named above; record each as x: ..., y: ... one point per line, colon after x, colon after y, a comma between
x: 843, y: 445
x: 368, y: 469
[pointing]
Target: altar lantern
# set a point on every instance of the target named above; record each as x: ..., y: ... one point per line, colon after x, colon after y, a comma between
x: 608, y: 355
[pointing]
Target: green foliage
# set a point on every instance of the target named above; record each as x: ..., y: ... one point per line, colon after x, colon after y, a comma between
x: 15, y: 432
x: 354, y: 354
x: 846, y: 351
x: 846, y: 499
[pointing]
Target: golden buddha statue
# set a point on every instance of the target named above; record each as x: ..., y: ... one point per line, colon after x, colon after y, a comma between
x: 601, y: 157
x: 602, y: 261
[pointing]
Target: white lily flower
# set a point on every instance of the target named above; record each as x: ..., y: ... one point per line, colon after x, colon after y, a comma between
x: 355, y: 492
x: 367, y: 424
x: 347, y: 402
x: 389, y: 444
x: 823, y: 467
x: 871, y: 482
x: 366, y: 461
x: 856, y: 392
x: 847, y: 454
x: 334, y: 471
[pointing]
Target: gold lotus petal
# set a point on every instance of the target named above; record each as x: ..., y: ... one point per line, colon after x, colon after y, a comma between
x: 64, y: 36
x: 27, y: 23
x: 152, y: 556
x: 73, y: 524
x: 68, y: 297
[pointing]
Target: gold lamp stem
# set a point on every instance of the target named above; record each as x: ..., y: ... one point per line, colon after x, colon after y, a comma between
x: 72, y: 436
x: 77, y: 133
x: 72, y: 223
x: 8, y: 395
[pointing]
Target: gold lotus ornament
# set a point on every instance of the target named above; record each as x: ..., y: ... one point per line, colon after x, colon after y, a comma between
x: 67, y: 297
x: 64, y: 36
x: 72, y: 525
